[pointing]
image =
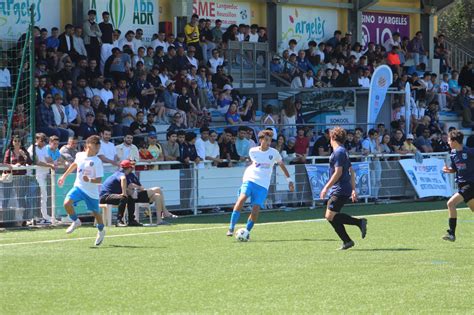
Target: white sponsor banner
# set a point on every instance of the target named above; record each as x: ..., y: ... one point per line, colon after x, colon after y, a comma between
x: 128, y: 15
x: 227, y: 11
x: 305, y: 24
x: 15, y: 16
x: 427, y: 178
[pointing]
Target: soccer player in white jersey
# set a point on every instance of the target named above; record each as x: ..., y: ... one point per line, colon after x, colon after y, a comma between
x: 86, y: 187
x: 257, y: 179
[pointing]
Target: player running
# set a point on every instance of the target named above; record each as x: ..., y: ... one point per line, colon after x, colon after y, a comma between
x: 257, y: 178
x: 341, y: 186
x: 462, y: 163
x: 86, y: 187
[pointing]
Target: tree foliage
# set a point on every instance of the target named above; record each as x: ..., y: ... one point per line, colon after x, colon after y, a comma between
x: 457, y: 22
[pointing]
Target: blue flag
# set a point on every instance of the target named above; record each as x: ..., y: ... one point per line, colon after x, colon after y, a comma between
x: 381, y: 81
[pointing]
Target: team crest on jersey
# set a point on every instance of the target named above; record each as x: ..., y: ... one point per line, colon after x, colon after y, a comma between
x: 270, y: 157
x: 91, y: 163
x: 464, y: 156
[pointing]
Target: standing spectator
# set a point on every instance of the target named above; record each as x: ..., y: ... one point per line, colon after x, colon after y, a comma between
x: 92, y: 36
x: 170, y: 148
x: 217, y: 32
x: 16, y: 155
x: 69, y: 151
x: 191, y: 30
x: 127, y: 150
x: 417, y: 49
x: 106, y: 29
x: 44, y: 165
x: 108, y: 151
x: 207, y: 41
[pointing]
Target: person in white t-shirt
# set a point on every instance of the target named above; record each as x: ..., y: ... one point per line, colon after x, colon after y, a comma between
x: 86, y: 187
x: 201, y: 145
x: 42, y: 172
x: 108, y: 152
x: 212, y: 149
x: 257, y: 179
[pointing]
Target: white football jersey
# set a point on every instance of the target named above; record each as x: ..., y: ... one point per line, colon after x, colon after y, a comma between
x: 260, y: 171
x: 93, y: 168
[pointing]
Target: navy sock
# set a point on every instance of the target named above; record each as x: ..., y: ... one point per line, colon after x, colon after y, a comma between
x: 100, y: 227
x: 341, y: 231
x: 347, y: 219
x: 452, y: 225
x: 250, y: 224
x: 234, y: 218
x: 73, y: 217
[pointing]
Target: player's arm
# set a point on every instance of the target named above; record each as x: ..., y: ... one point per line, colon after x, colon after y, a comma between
x: 123, y: 184
x: 353, y: 184
x: 291, y: 185
x: 69, y: 170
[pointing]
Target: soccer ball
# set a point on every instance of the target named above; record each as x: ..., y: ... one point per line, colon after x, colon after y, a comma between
x: 242, y: 235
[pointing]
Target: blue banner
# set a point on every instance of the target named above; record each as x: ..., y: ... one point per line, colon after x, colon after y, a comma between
x: 379, y: 84
x: 318, y: 176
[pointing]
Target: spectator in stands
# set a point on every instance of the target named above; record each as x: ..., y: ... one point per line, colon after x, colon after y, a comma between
x: 69, y: 151
x: 417, y: 49
x: 88, y: 128
x: 177, y: 123
x: 441, y: 143
x: 207, y: 41
x: 232, y: 116
x: 335, y: 40
x: 92, y: 36
x: 16, y: 155
x: 212, y: 151
x: 291, y: 156
x: 127, y: 150
x: 397, y: 142
x: 302, y: 143
x: 227, y: 149
x: 217, y: 32
x: 191, y: 30
x: 154, y: 147
x: 466, y: 76
x: 408, y: 145
x: 188, y: 152
x: 248, y: 111
x: 393, y: 60
x: 423, y: 142
x: 322, y: 145
x: 138, y: 127
x: 66, y: 42
x: 215, y: 61
x: 145, y: 156
x: 385, y: 147
x: 78, y: 42
x: 371, y: 146
x: 468, y: 115
x: 45, y: 119
x: 60, y: 117
x: 201, y: 142
x: 242, y: 144
x: 170, y: 148
x: 363, y: 78
x: 185, y: 104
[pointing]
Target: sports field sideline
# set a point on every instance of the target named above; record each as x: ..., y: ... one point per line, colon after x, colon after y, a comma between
x: 289, y: 266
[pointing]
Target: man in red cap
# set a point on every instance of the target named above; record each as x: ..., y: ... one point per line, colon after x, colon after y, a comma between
x: 114, y: 192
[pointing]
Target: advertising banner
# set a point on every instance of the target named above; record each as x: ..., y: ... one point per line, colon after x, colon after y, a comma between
x: 305, y: 24
x: 378, y: 27
x: 427, y: 178
x: 381, y: 81
x: 227, y: 11
x: 15, y: 16
x: 128, y: 15
x: 318, y: 175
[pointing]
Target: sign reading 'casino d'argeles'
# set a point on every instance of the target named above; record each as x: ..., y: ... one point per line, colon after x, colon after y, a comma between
x: 128, y: 15
x: 15, y: 16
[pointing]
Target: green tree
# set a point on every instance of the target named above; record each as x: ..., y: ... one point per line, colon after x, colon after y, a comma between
x: 457, y: 22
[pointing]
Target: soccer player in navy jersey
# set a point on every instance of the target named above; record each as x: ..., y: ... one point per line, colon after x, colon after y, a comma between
x: 341, y: 188
x: 462, y: 163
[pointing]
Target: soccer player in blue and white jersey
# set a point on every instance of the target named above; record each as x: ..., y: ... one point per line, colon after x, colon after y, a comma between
x: 257, y: 178
x: 462, y: 163
x: 341, y: 187
x: 86, y: 187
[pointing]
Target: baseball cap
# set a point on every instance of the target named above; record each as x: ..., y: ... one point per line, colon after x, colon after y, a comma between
x: 292, y: 139
x: 167, y: 83
x: 152, y: 134
x: 227, y: 87
x: 127, y: 164
x: 410, y: 136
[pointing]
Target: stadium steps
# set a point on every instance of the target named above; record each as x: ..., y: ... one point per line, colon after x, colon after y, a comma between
x: 452, y: 119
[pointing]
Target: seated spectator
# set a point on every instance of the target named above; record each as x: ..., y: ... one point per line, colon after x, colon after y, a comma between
x: 145, y: 156
x: 363, y: 78
x: 302, y: 143
x: 177, y: 123
x: 242, y: 144
x: 441, y: 143
x: 185, y: 104
x: 423, y: 142
x: 468, y: 115
x: 291, y: 156
x: 408, y: 145
x: 188, y: 152
x: 127, y: 150
x: 248, y: 111
x: 397, y: 142
x: 393, y: 60
x: 349, y: 144
x: 385, y: 147
x: 215, y: 61
x: 232, y: 116
x: 227, y: 149
x: 87, y: 128
x: 171, y: 148
x: 60, y: 117
x: 322, y: 146
x: 45, y: 120
x: 138, y: 127
x: 69, y: 151
x: 152, y: 195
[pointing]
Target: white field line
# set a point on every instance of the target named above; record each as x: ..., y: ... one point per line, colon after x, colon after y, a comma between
x: 202, y: 229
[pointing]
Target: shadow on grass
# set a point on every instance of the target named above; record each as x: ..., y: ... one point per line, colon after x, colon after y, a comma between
x: 125, y: 247
x: 385, y: 249
x: 300, y: 240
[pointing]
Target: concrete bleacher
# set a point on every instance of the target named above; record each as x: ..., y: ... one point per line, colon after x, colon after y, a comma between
x: 452, y: 119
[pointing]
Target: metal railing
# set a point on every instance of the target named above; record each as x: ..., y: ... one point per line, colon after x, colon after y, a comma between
x: 459, y: 55
x: 248, y: 63
x: 196, y: 188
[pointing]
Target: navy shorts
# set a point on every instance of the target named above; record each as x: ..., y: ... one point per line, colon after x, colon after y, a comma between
x: 466, y: 191
x: 336, y: 202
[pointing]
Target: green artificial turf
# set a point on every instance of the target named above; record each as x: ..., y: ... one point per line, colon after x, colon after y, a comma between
x: 289, y: 266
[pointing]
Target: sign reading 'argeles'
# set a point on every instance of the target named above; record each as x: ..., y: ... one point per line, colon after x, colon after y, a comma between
x: 128, y: 15
x: 15, y: 16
